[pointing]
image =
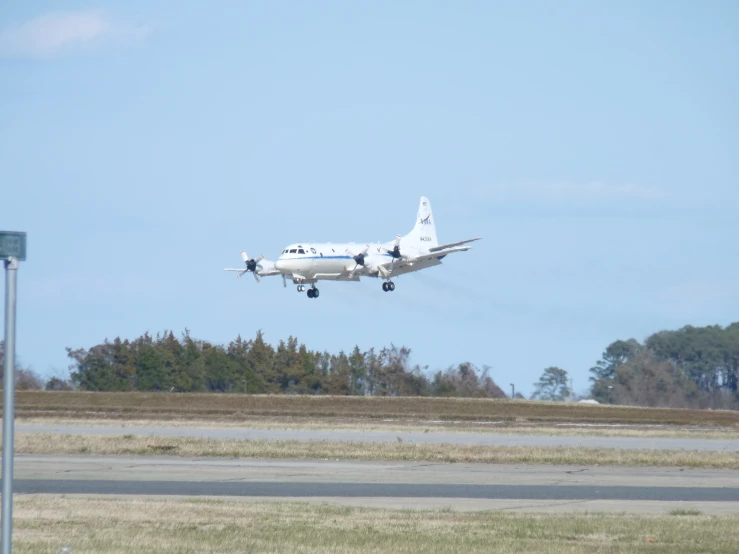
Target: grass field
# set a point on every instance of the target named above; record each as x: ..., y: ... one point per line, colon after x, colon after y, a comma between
x: 410, y: 426
x: 162, y: 406
x: 102, y: 525
x: 132, y: 445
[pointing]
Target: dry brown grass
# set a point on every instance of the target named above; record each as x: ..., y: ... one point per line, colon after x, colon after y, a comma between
x: 238, y: 407
x: 52, y: 443
x: 403, y: 426
x: 105, y: 525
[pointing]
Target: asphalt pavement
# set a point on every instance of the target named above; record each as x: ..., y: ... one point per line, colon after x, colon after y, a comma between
x: 386, y: 484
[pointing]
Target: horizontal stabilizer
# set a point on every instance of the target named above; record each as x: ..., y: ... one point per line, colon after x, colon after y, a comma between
x: 451, y: 244
x: 436, y: 255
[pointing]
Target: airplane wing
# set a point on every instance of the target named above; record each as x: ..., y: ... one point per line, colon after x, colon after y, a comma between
x: 264, y: 268
x: 325, y: 277
x: 260, y: 272
x: 336, y: 277
x: 344, y: 277
x: 451, y: 244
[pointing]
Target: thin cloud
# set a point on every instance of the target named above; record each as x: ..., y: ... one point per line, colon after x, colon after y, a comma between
x: 554, y: 191
x: 699, y: 294
x: 56, y: 33
x: 699, y: 300
x: 86, y: 286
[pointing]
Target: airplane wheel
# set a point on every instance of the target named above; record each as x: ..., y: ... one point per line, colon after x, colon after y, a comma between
x: 300, y: 288
x: 390, y: 286
x: 384, y: 287
x: 311, y: 293
x: 315, y: 293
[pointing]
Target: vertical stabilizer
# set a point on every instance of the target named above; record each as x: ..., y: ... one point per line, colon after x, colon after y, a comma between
x: 423, y: 234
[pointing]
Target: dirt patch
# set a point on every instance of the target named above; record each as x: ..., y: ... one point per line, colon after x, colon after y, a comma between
x: 235, y: 407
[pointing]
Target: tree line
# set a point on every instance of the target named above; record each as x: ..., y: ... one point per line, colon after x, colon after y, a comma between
x: 167, y: 363
x: 692, y: 367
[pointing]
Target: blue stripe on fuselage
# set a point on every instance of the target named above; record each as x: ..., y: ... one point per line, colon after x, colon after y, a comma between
x: 304, y: 257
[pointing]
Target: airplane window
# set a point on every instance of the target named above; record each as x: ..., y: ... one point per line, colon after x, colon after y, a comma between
x: 293, y: 251
x: 301, y: 251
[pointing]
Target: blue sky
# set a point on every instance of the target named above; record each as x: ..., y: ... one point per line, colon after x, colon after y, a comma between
x: 593, y: 145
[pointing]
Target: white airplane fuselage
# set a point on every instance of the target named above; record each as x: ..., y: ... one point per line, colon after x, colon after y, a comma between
x: 335, y: 261
x: 310, y: 262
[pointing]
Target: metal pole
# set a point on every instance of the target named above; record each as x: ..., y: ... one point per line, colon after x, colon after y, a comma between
x: 513, y: 390
x: 11, y: 272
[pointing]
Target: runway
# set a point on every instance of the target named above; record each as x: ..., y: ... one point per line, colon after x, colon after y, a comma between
x: 380, y: 483
x: 371, y: 490
x: 482, y: 439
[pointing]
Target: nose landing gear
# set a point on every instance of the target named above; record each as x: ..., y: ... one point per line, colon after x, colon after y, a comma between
x: 388, y: 286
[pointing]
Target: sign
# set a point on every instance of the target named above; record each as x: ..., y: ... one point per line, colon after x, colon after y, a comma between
x: 12, y: 245
x: 13, y: 249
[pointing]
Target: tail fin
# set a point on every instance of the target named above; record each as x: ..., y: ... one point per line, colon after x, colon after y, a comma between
x: 424, y: 233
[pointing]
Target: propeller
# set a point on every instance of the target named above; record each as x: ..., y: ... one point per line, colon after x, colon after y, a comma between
x: 395, y: 252
x: 358, y: 258
x: 251, y: 265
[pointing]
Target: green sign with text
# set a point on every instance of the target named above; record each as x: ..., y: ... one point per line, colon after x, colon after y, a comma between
x: 12, y: 245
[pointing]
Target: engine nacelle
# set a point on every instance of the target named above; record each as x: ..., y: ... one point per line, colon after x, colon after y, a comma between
x: 265, y: 268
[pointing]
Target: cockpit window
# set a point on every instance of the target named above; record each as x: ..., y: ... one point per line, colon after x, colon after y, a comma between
x: 293, y: 251
x: 301, y: 251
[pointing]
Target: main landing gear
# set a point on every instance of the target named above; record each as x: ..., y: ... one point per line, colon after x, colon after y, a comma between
x: 388, y: 286
x: 312, y: 292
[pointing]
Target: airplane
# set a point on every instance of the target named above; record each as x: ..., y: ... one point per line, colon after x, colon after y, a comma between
x: 307, y: 263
